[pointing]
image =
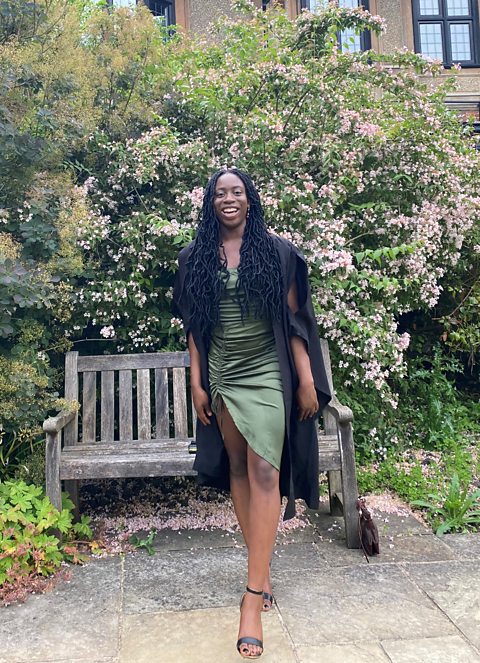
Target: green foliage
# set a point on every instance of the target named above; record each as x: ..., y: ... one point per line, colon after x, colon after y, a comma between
x: 30, y: 465
x: 438, y: 420
x: 408, y: 483
x: 442, y: 482
x: 457, y: 510
x: 28, y: 526
x: 109, y: 130
x: 147, y: 542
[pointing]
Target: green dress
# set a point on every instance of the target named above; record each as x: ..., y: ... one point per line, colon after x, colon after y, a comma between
x: 244, y: 371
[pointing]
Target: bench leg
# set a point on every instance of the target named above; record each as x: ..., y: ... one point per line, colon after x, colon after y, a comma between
x: 349, y: 485
x: 71, y: 487
x: 335, y: 492
x: 52, y: 470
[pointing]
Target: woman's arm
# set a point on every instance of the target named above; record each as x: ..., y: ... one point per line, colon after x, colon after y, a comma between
x: 306, y: 394
x: 199, y: 395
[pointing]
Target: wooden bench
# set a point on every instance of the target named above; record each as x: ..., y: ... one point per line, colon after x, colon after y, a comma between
x: 122, y: 392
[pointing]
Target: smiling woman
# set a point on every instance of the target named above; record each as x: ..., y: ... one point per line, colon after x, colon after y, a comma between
x: 257, y: 376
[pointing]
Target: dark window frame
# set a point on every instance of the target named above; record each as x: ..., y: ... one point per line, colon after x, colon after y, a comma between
x: 169, y: 5
x: 365, y: 35
x: 162, y: 8
x: 445, y: 21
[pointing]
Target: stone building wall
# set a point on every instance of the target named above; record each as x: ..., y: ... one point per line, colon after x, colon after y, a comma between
x: 203, y: 12
x: 399, y: 33
x: 197, y: 16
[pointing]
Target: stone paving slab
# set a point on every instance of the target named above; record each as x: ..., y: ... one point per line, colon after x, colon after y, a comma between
x: 397, y: 549
x: 465, y: 546
x: 296, y: 557
x: 181, y: 581
x: 388, y: 524
x: 168, y: 539
x: 357, y: 652
x: 197, y: 636
x: 455, y: 588
x: 450, y: 649
x: 355, y: 582
x: 361, y: 603
x: 79, y: 619
x: 331, y: 619
x: 307, y: 534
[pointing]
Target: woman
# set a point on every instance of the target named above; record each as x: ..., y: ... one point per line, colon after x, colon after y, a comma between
x: 257, y: 375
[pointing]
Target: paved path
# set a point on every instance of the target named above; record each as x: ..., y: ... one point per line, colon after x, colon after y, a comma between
x: 419, y: 601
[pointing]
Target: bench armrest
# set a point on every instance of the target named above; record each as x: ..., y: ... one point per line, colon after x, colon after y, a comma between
x: 342, y: 413
x: 55, y: 424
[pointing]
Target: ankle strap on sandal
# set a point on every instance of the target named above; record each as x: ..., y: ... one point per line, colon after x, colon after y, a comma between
x: 253, y: 591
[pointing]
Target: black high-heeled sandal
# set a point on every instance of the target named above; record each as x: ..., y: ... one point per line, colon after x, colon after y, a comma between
x: 270, y: 598
x: 247, y: 640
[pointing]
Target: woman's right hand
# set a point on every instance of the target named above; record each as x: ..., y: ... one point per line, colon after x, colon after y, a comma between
x: 201, y: 404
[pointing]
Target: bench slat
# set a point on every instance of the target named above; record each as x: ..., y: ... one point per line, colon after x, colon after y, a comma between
x: 143, y: 404
x: 125, y: 405
x: 107, y: 406
x: 89, y: 406
x: 162, y: 426
x: 164, y: 463
x: 132, y: 362
x: 180, y: 402
x: 70, y: 435
x: 135, y: 447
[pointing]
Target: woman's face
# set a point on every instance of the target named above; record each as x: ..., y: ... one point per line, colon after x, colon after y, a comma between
x: 230, y: 201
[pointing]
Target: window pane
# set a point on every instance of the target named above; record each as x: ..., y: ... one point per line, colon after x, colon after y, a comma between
x: 349, y: 4
x: 461, y: 46
x: 348, y: 45
x: 429, y: 8
x: 161, y: 8
x: 431, y: 40
x: 458, y: 8
x: 315, y: 5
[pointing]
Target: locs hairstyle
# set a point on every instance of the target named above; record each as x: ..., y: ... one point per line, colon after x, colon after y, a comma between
x: 259, y: 284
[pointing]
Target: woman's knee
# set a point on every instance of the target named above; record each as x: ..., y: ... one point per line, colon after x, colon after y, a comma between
x: 262, y: 474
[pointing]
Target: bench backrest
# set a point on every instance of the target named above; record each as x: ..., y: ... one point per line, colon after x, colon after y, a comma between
x: 129, y: 397
x: 137, y: 397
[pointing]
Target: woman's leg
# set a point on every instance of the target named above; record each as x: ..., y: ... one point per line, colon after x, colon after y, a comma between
x: 264, y: 514
x: 256, y: 498
x: 236, y: 447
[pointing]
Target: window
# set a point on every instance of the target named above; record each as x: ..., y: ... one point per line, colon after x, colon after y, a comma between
x: 447, y: 30
x: 162, y: 8
x: 348, y: 40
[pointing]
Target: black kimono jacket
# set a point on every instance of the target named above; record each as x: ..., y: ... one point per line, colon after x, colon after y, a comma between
x: 299, y: 465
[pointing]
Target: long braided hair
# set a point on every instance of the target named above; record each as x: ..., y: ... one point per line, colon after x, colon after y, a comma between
x: 259, y: 284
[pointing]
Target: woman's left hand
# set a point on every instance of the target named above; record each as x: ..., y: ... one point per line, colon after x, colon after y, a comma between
x: 307, y: 401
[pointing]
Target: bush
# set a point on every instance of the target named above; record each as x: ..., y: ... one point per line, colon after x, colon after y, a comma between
x: 28, y: 525
x: 356, y: 159
x: 110, y: 126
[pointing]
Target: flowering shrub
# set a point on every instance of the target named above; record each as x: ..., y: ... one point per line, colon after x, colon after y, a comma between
x: 65, y: 68
x: 358, y: 162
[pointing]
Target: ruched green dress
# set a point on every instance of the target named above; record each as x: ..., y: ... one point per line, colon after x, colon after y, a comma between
x: 244, y: 372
